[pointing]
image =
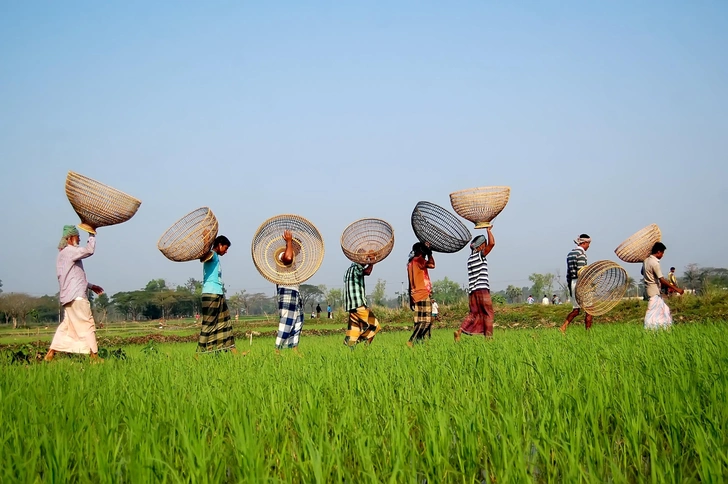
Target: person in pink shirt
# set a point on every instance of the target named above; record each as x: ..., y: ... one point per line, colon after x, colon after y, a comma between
x: 77, y: 331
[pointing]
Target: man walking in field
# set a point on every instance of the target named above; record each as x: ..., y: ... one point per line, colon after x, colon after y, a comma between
x: 290, y: 304
x: 672, y: 279
x: 480, y: 318
x: 576, y: 260
x: 77, y: 331
x: 363, y: 325
x: 420, y: 290
x: 658, y: 313
x: 216, y: 333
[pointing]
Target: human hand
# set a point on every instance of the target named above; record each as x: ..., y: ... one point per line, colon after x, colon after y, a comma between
x: 97, y: 289
x: 287, y: 236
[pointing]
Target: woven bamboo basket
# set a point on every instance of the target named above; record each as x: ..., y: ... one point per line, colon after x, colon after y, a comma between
x: 98, y: 205
x: 600, y: 287
x: 443, y: 230
x: 268, y: 246
x: 191, y: 237
x: 367, y: 241
x: 638, y: 247
x: 480, y: 205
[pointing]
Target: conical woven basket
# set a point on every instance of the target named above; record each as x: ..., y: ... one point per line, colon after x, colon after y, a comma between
x: 191, y: 237
x: 443, y: 230
x: 600, y: 287
x: 98, y: 205
x: 367, y: 241
x: 268, y: 245
x: 638, y: 247
x: 480, y: 205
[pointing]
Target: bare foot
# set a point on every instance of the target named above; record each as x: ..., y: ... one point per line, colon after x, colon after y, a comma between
x: 409, y: 343
x: 95, y: 358
x: 49, y: 355
x: 456, y: 334
x: 562, y: 329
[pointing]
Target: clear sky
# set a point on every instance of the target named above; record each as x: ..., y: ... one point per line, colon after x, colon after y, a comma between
x: 603, y: 117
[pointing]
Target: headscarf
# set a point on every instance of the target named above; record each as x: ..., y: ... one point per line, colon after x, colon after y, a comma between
x: 68, y: 231
x: 581, y: 240
x: 477, y: 242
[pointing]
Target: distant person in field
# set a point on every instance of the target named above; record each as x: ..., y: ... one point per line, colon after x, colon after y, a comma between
x: 555, y: 299
x: 77, y: 331
x: 290, y: 304
x: 363, y: 325
x: 530, y: 299
x: 318, y: 311
x: 420, y: 261
x: 575, y: 261
x: 545, y: 300
x: 480, y: 318
x: 328, y: 310
x: 672, y: 279
x: 216, y: 333
x: 658, y: 313
x: 435, y: 310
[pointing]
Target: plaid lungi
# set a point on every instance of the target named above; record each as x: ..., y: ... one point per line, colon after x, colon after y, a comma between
x: 290, y: 308
x: 363, y: 326
x: 217, y: 329
x: 658, y: 314
x: 423, y: 320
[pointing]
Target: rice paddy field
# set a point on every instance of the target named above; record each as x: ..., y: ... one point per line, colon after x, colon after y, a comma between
x: 616, y: 404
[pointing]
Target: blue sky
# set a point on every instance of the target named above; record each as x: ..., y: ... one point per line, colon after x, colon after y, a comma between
x: 603, y: 117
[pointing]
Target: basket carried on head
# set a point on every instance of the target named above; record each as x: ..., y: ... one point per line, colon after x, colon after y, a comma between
x: 268, y: 246
x: 98, y: 205
x: 480, y: 205
x: 445, y: 232
x: 367, y: 241
x: 600, y: 287
x: 638, y: 247
x: 190, y: 237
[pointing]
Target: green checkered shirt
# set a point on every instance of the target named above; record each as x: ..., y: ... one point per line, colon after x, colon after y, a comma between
x: 355, y: 295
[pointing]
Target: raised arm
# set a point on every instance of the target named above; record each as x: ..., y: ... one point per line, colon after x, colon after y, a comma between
x: 287, y: 256
x: 78, y: 253
x: 491, y: 242
x: 368, y: 269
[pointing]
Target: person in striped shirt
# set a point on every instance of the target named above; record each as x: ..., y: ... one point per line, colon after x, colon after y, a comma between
x: 575, y: 261
x: 77, y: 331
x: 480, y: 318
x: 363, y: 325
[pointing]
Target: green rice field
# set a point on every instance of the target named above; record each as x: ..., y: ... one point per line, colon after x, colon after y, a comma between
x: 616, y: 404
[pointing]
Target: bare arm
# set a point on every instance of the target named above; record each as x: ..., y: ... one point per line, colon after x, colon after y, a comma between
x: 665, y: 282
x: 491, y: 242
x: 287, y: 256
x: 368, y: 269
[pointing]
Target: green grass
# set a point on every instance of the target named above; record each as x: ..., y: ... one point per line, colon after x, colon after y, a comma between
x: 617, y: 404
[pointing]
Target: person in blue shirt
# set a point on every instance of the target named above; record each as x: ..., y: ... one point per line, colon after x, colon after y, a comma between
x: 216, y: 333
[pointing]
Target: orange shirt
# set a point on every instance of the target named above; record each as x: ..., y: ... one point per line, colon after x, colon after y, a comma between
x: 419, y: 279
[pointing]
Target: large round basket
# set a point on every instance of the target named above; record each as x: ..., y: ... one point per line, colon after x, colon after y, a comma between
x: 367, y: 241
x: 600, y: 287
x: 190, y: 237
x: 98, y: 205
x: 638, y: 247
x: 443, y: 230
x: 268, y: 246
x: 480, y: 205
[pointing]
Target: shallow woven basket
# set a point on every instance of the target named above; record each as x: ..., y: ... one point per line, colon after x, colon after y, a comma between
x: 638, y: 247
x: 268, y: 245
x: 443, y: 230
x: 367, y: 241
x: 480, y: 205
x: 190, y: 237
x: 600, y: 287
x: 98, y: 205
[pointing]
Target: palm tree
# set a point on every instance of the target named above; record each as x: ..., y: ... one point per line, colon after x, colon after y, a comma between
x: 631, y: 286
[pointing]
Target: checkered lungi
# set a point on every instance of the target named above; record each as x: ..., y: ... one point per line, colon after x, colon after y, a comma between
x: 423, y: 319
x: 216, y: 333
x: 290, y: 309
x: 363, y: 326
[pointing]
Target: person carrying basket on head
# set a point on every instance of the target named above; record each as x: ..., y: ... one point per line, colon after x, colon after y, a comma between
x: 420, y: 289
x: 290, y: 304
x: 363, y: 325
x: 480, y: 318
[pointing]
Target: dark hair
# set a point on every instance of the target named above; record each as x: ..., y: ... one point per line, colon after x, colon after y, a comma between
x: 584, y: 236
x: 420, y: 249
x: 672, y: 268
x: 221, y: 239
x: 658, y: 247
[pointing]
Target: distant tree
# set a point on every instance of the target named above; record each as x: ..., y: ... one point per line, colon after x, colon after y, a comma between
x: 631, y: 287
x: 692, y: 276
x: 310, y: 294
x: 514, y: 294
x: 166, y: 299
x: 17, y: 305
x: 335, y: 297
x: 447, y: 291
x: 498, y: 298
x: 379, y: 296
x: 156, y: 285
x: 542, y: 284
x: 102, y: 306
